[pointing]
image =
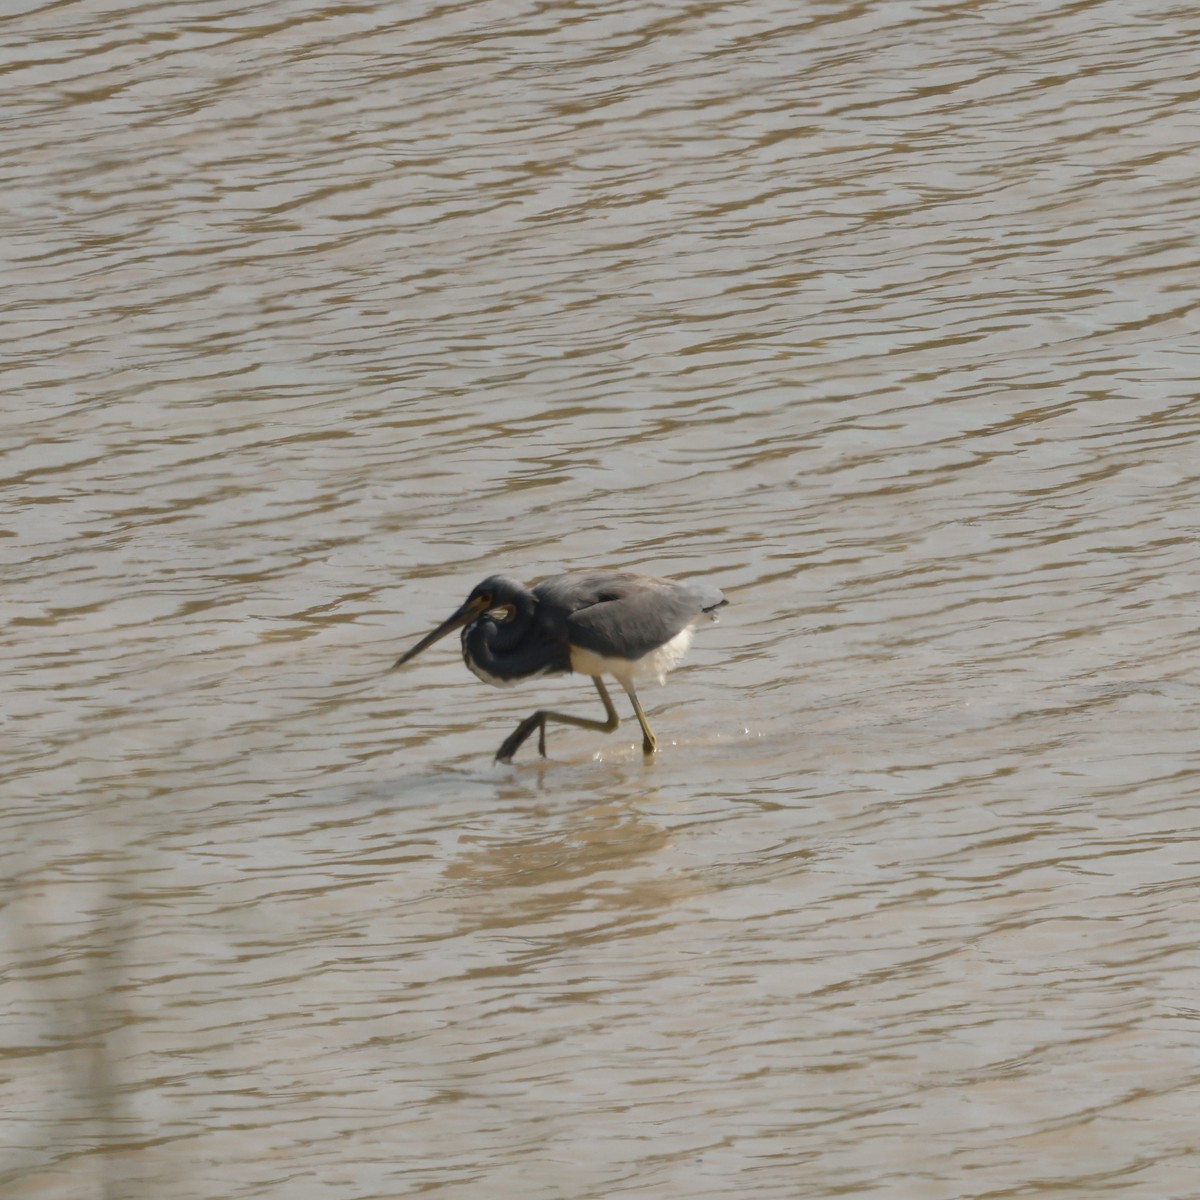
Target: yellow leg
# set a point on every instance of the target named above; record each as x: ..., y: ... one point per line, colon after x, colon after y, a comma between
x: 538, y: 720
x: 649, y: 741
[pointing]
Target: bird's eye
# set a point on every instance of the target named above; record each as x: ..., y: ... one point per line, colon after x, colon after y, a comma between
x: 486, y: 599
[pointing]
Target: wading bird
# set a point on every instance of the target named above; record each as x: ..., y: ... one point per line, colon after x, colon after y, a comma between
x: 594, y: 623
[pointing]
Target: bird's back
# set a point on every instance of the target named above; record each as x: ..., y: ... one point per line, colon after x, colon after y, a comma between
x: 623, y: 614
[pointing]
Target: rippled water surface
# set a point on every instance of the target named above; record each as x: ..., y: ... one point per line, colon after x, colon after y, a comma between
x: 883, y: 318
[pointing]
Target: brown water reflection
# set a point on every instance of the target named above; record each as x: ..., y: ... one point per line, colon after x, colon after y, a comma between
x: 883, y: 318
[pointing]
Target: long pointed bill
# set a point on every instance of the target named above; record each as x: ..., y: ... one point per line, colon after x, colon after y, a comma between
x: 464, y: 616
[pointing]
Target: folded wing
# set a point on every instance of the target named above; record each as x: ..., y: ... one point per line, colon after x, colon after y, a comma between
x: 627, y: 615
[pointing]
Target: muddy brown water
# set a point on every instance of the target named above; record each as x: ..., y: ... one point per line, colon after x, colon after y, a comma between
x: 883, y: 318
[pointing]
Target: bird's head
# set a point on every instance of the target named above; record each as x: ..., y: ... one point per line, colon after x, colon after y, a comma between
x: 497, y: 597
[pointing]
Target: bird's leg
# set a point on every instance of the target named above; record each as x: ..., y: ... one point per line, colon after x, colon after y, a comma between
x: 516, y: 739
x: 649, y: 741
x: 538, y: 720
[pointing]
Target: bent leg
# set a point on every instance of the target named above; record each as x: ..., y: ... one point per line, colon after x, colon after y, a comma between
x: 538, y: 720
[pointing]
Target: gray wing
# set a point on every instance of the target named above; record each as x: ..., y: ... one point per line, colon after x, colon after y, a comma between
x: 623, y: 614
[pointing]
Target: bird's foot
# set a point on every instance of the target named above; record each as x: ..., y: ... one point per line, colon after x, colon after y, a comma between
x: 520, y: 735
x: 649, y: 746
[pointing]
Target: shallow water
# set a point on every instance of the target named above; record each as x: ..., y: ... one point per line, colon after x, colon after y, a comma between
x: 881, y: 318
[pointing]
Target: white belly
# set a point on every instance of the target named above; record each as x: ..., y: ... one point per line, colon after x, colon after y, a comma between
x: 654, y: 665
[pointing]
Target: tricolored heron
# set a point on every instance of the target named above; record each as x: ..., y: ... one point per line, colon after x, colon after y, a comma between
x: 592, y: 622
